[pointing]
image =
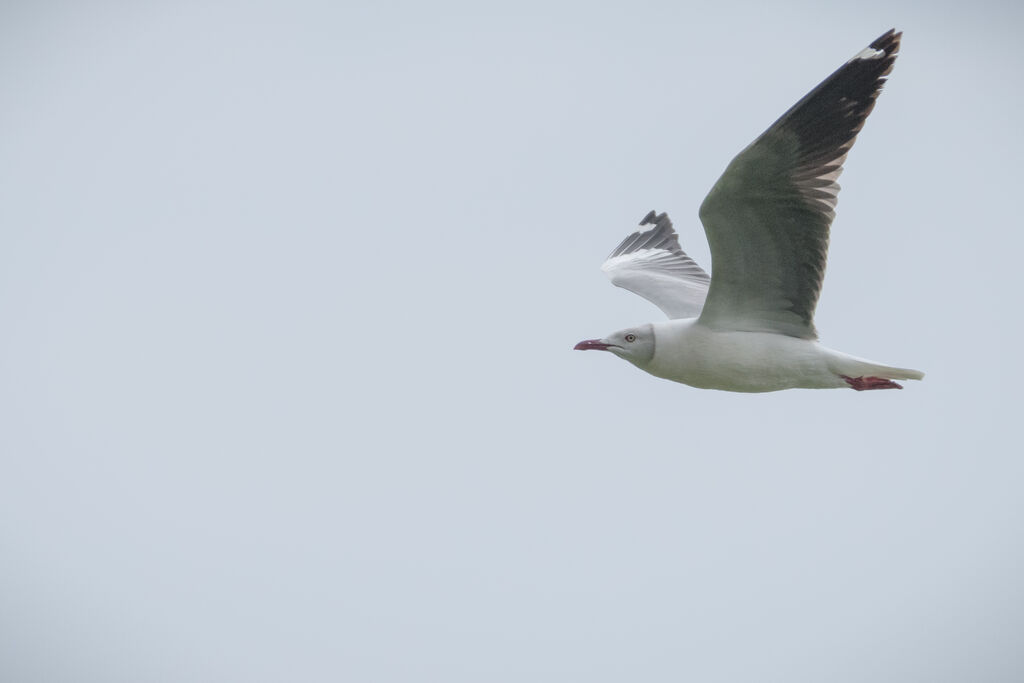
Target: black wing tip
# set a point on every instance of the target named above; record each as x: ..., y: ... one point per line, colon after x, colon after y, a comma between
x: 661, y: 236
x: 828, y: 118
x: 655, y: 218
x: 889, y: 45
x: 888, y: 42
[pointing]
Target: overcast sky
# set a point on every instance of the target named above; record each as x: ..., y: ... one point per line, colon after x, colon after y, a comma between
x: 289, y: 292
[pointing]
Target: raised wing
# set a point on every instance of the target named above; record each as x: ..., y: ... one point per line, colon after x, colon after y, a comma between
x: 767, y: 218
x: 650, y: 263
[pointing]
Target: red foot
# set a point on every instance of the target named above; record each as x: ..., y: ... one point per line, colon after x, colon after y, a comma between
x: 865, y: 383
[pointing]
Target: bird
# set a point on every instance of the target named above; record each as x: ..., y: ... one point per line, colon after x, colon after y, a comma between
x: 749, y: 326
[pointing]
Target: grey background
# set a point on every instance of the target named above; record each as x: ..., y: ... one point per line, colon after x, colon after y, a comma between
x: 288, y: 295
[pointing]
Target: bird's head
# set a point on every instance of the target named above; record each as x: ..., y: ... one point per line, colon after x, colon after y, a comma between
x: 635, y: 344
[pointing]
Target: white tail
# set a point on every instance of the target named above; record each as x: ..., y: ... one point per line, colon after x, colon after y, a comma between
x: 851, y: 366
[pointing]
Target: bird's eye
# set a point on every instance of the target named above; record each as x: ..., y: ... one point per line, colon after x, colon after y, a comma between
x: 631, y: 338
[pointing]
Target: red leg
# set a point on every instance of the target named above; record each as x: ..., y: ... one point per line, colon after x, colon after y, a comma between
x: 866, y: 383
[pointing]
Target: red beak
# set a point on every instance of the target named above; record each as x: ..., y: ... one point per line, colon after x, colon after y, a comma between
x: 591, y: 345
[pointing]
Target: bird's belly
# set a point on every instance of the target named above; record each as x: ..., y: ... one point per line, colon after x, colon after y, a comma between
x: 744, y: 361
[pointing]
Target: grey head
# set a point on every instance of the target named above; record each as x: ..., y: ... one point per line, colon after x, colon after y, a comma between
x: 635, y: 344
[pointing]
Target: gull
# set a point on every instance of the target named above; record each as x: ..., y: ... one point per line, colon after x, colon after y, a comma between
x: 749, y: 327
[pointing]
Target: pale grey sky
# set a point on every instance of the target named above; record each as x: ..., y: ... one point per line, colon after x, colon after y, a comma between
x: 289, y: 291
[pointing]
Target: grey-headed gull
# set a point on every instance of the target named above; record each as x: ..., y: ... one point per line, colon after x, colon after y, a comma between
x: 750, y: 326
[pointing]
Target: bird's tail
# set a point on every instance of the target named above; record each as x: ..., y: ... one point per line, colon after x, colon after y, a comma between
x: 851, y: 366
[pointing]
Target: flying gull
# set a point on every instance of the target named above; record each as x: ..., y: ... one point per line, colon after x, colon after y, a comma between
x: 750, y: 326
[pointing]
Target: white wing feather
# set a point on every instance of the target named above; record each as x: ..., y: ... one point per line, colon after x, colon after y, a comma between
x: 650, y: 263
